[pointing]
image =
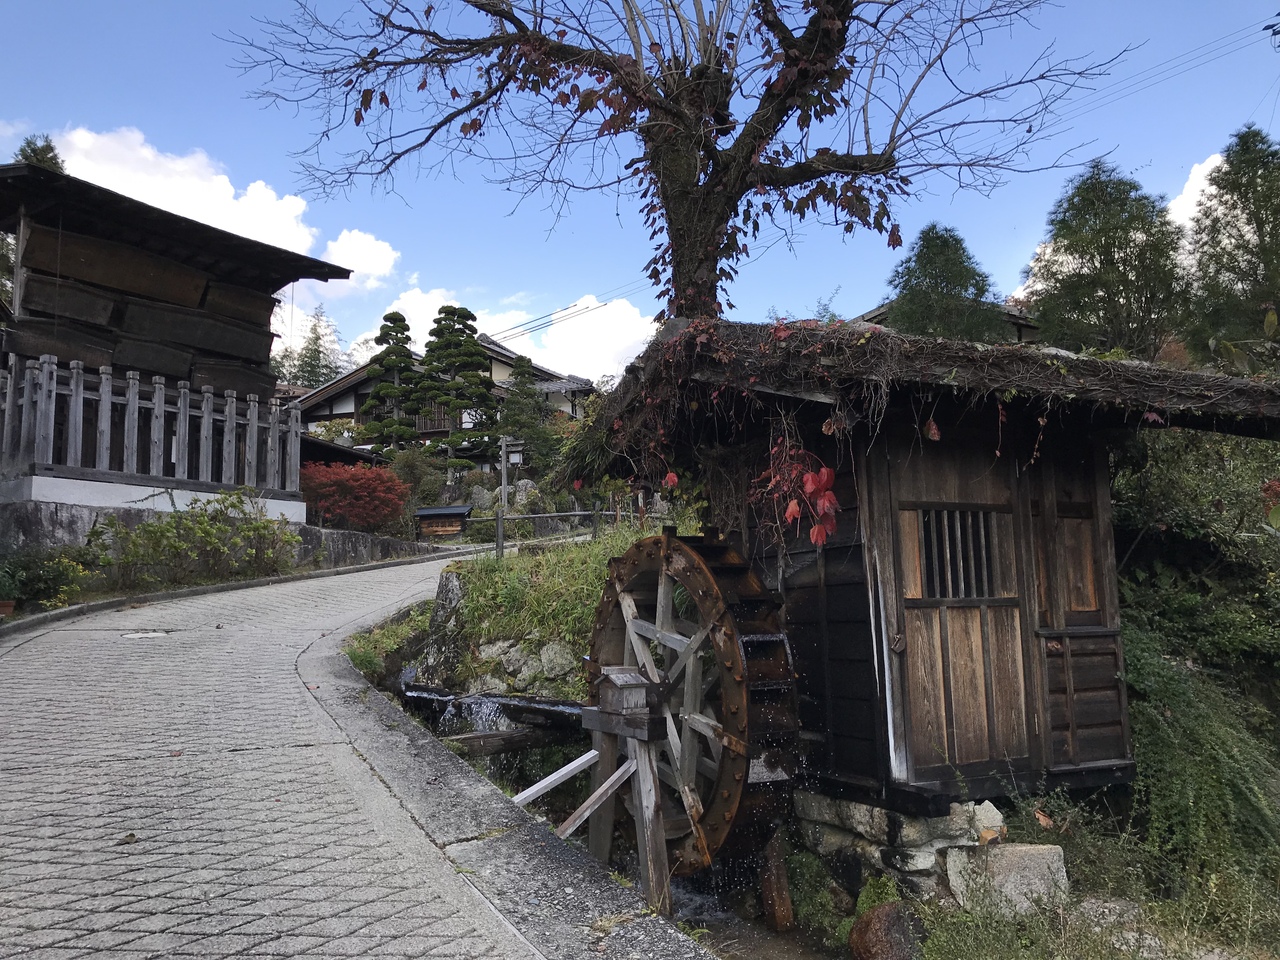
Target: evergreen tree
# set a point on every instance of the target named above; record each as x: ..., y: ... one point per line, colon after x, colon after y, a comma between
x: 455, y: 378
x: 37, y: 149
x: 1108, y: 275
x: 389, y: 402
x: 525, y: 416
x: 1236, y: 241
x: 941, y: 291
x: 317, y: 360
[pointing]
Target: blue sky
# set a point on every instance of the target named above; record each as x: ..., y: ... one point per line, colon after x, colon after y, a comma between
x: 146, y: 100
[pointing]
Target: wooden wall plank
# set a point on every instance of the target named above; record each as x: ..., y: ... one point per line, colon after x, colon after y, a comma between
x: 113, y: 265
x: 1007, y: 681
x: 147, y: 355
x: 234, y: 375
x: 968, y: 683
x: 197, y: 329
x: 924, y: 690
x: 65, y: 299
x: 64, y: 339
x: 239, y: 303
x: 1081, y: 586
x: 909, y: 551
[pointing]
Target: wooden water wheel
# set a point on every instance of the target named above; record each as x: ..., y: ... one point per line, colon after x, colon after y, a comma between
x: 691, y: 618
x: 692, y: 708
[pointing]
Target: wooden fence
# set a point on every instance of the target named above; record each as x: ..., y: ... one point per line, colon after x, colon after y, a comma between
x: 98, y: 422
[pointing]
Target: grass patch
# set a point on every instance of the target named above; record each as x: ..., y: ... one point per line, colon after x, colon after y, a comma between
x: 368, y: 650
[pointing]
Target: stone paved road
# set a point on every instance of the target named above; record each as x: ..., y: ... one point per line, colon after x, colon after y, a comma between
x: 170, y: 787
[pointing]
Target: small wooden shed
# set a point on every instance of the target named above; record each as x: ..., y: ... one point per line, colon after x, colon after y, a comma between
x: 955, y: 631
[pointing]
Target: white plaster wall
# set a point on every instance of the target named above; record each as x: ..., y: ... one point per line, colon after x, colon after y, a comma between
x: 94, y: 493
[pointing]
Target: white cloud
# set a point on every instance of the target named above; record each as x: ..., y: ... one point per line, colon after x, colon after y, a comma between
x: 587, y: 339
x: 192, y: 185
x: 1182, y: 208
x: 11, y: 129
x: 369, y: 259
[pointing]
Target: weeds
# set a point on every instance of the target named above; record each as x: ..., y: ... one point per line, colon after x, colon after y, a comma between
x: 368, y: 651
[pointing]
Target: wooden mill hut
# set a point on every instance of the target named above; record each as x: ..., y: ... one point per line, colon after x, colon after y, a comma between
x: 954, y: 628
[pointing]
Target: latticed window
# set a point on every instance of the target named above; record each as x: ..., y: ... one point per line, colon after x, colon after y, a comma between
x: 957, y: 549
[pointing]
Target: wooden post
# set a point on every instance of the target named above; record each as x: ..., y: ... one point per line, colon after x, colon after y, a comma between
x: 272, y: 479
x: 27, y: 441
x: 206, y: 433
x: 251, y: 440
x: 7, y: 414
x: 75, y: 415
x: 157, y: 426
x: 600, y: 826
x: 131, y: 421
x: 651, y: 835
x: 182, y: 432
x: 293, y: 452
x: 102, y: 457
x: 19, y: 250
x: 46, y: 400
x: 7, y: 454
x: 229, y: 437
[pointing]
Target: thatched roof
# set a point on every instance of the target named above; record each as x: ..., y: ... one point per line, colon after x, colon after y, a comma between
x: 854, y: 367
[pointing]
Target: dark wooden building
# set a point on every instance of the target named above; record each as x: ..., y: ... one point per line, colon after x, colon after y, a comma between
x: 957, y: 633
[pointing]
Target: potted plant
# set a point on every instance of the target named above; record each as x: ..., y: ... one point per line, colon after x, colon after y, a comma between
x: 10, y: 585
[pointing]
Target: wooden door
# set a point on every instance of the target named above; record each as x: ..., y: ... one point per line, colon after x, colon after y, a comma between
x: 964, y: 672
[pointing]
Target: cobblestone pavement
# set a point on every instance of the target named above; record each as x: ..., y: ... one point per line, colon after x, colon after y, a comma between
x: 169, y: 787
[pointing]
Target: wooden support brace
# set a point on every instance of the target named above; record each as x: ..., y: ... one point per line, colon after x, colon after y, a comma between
x: 602, y: 793
x: 571, y: 769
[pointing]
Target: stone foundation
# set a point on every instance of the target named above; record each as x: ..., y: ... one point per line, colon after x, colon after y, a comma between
x: 924, y: 853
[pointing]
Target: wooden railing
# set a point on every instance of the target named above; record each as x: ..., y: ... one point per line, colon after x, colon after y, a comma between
x: 68, y: 417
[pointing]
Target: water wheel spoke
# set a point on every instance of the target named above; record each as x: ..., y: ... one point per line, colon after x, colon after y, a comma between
x: 639, y: 643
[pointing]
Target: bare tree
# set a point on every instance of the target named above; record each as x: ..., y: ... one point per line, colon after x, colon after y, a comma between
x: 721, y: 114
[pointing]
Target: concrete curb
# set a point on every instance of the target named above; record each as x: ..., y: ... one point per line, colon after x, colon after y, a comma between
x: 36, y: 620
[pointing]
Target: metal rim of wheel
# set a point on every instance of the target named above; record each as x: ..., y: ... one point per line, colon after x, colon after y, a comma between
x: 692, y: 616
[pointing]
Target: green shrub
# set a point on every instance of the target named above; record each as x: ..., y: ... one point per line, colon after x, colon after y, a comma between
x: 47, y: 579
x: 812, y: 901
x: 368, y: 650
x: 229, y: 537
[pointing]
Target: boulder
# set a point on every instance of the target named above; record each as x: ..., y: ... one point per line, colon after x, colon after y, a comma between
x: 481, y: 498
x: 558, y: 660
x: 891, y: 931
x: 1007, y: 876
x: 436, y: 655
x: 524, y: 490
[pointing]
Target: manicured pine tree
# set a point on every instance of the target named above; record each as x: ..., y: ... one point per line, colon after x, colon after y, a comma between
x: 390, y: 400
x: 456, y: 378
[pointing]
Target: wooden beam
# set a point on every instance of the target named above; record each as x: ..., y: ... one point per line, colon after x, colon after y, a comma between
x: 154, y: 357
x: 201, y: 331
x: 651, y: 835
x: 600, y: 829
x: 113, y: 265
x: 67, y: 339
x: 597, y: 799
x: 550, y: 782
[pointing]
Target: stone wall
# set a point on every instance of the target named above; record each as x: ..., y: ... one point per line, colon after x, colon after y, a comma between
x: 444, y: 658
x: 43, y: 526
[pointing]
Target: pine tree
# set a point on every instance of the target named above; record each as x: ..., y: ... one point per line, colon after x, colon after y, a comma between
x: 941, y: 291
x: 455, y: 378
x: 39, y: 150
x: 317, y: 360
x: 389, y: 402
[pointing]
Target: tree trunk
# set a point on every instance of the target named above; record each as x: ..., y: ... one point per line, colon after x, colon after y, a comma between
x: 697, y: 230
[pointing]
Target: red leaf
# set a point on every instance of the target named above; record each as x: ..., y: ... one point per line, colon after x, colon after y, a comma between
x: 827, y: 503
x: 931, y: 430
x: 826, y: 477
x: 793, y: 511
x: 577, y: 484
x: 818, y: 535
x: 670, y: 480
x: 810, y: 484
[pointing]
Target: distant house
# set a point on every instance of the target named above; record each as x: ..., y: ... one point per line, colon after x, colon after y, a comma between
x: 342, y: 398
x: 1024, y: 325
